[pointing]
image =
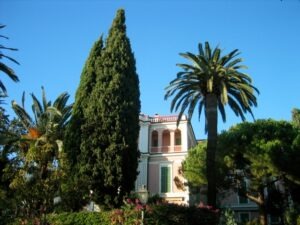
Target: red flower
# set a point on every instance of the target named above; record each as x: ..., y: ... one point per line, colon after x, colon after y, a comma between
x: 139, y: 207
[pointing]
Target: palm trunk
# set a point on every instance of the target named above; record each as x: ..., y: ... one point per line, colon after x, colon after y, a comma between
x: 211, y: 115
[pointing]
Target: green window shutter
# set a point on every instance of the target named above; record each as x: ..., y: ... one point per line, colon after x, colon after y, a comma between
x: 165, y: 181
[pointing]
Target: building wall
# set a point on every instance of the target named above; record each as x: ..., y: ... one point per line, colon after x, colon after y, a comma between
x: 144, y: 134
x: 166, y: 151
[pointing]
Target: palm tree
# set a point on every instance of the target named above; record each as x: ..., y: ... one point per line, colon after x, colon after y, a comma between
x: 6, y: 69
x: 47, y: 127
x: 211, y: 82
x: 41, y: 147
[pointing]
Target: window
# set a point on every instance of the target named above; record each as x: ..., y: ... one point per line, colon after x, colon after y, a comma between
x: 177, y: 137
x: 166, y: 138
x: 242, y: 198
x: 166, y: 141
x: 165, y: 179
x: 244, y: 218
x: 154, y: 138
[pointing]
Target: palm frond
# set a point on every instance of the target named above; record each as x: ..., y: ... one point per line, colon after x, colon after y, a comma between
x: 44, y: 100
x: 25, y: 119
x: 216, y: 55
x: 210, y: 72
x: 207, y: 51
x: 222, y: 110
x: 3, y: 89
x: 9, y: 71
x: 37, y: 108
x: 200, y: 49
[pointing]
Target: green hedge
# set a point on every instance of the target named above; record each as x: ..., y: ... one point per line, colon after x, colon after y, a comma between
x: 165, y: 214
x: 82, y: 218
x: 130, y: 214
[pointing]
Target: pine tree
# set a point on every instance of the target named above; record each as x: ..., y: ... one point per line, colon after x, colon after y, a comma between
x: 108, y: 108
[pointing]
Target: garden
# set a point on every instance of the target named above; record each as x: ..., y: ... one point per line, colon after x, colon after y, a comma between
x: 62, y: 157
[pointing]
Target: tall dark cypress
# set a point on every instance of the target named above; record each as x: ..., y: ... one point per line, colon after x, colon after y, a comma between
x: 73, y: 134
x: 75, y: 188
x: 110, y: 120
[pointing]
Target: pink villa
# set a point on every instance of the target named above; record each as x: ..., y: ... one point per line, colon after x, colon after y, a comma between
x: 163, y: 147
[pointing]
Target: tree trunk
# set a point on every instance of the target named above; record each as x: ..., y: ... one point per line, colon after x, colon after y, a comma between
x: 260, y: 201
x: 263, y: 217
x: 211, y: 115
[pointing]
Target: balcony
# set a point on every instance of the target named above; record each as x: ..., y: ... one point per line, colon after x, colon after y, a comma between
x: 161, y: 119
x: 166, y: 149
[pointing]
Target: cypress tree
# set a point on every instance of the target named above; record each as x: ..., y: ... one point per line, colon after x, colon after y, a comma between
x: 75, y: 189
x: 109, y: 118
x: 87, y: 82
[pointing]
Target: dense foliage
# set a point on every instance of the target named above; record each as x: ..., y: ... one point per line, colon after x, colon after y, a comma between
x: 9, y: 132
x: 264, y: 154
x: 106, y: 118
x: 210, y: 82
x: 40, y: 154
x: 162, y: 214
x: 45, y: 170
x: 76, y: 188
x: 194, y: 168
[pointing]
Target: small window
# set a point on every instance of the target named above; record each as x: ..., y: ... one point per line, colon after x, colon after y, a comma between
x: 166, y: 138
x: 154, y: 138
x: 177, y: 137
x: 165, y: 179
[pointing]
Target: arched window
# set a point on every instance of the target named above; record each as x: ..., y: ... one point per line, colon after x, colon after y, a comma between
x: 177, y: 137
x: 154, y: 138
x: 177, y: 147
x: 166, y: 140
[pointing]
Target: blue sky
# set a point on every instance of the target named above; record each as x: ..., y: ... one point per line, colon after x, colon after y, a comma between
x: 54, y: 39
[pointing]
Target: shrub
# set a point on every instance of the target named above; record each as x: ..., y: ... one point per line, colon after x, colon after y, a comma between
x: 292, y: 215
x: 131, y: 214
x: 227, y: 217
x: 165, y: 214
x: 80, y: 218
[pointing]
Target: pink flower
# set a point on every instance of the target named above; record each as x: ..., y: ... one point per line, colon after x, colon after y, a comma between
x: 201, y: 205
x: 139, y: 207
x: 209, y: 207
x: 129, y: 201
x: 118, y: 212
x: 149, y: 208
x: 137, y: 201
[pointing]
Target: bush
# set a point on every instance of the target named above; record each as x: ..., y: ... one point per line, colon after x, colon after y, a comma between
x: 80, y: 218
x: 292, y: 215
x: 165, y: 214
x: 131, y: 214
x: 75, y: 218
x: 227, y: 217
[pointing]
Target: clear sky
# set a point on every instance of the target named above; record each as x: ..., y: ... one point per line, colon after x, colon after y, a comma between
x: 54, y: 38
